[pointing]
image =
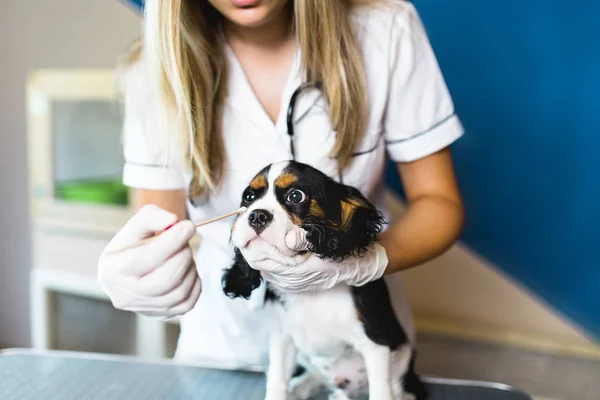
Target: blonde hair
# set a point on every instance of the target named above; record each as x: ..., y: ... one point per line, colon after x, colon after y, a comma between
x: 186, y: 62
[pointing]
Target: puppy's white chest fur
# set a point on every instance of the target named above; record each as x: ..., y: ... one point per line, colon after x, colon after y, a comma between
x: 322, y: 325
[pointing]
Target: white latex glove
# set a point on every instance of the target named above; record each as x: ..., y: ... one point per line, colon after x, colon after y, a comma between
x: 316, y: 274
x: 158, y: 278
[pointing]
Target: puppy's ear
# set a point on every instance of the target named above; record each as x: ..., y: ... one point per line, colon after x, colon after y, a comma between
x: 357, y: 225
x: 360, y: 222
x: 240, y: 280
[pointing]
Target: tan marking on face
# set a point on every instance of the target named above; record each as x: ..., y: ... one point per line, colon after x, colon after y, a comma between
x: 296, y: 219
x: 349, y: 207
x: 285, y: 180
x: 315, y: 209
x: 359, y: 316
x: 258, y: 182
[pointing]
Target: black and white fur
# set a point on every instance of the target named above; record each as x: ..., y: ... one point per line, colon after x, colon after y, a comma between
x: 346, y: 338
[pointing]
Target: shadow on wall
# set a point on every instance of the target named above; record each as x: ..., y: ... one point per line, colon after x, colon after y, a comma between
x: 525, y: 82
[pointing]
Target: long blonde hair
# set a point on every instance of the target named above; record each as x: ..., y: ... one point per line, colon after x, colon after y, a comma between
x: 186, y: 62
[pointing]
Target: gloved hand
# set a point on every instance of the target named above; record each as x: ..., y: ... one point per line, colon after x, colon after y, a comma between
x: 315, y: 274
x: 158, y: 278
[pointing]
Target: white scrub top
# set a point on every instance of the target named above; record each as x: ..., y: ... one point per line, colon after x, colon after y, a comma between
x: 411, y: 115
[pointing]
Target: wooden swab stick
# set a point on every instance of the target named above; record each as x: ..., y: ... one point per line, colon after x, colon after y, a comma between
x: 209, y: 221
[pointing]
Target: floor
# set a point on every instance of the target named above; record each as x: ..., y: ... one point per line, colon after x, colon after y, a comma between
x: 543, y: 376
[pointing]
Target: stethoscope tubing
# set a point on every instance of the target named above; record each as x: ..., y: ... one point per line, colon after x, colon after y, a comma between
x: 291, y: 108
x: 290, y: 116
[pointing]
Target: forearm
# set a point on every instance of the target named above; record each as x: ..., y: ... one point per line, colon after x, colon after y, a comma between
x: 429, y: 227
x: 171, y: 200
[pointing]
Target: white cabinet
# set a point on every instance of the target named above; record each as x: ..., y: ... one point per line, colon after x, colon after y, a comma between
x: 75, y: 152
x: 77, y: 204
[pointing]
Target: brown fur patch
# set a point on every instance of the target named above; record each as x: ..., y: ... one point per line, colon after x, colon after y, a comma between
x: 296, y: 219
x: 359, y: 316
x: 285, y: 180
x: 316, y: 210
x: 349, y: 207
x: 259, y: 182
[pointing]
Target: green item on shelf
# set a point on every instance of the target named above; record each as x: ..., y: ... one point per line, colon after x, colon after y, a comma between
x: 111, y: 192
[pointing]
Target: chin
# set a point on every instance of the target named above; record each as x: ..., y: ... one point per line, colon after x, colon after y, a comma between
x: 258, y: 249
x: 255, y: 15
x: 250, y: 18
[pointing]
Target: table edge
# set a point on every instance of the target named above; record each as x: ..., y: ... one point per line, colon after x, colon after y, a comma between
x: 473, y: 383
x: 229, y: 367
x: 130, y: 359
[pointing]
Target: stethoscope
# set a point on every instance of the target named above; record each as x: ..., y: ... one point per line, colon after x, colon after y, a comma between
x: 292, y: 106
x: 290, y: 115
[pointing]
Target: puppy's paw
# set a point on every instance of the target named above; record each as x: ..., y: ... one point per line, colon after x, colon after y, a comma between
x: 305, y: 387
x: 402, y: 395
x: 276, y: 392
x: 338, y: 395
x: 276, y: 396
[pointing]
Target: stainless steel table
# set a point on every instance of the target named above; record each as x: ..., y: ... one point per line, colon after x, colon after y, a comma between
x: 29, y: 375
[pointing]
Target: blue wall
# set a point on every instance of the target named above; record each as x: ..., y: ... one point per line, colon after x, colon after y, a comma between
x: 525, y: 77
x: 136, y: 4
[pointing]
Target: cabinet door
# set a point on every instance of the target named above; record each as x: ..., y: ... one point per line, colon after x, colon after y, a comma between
x: 75, y: 150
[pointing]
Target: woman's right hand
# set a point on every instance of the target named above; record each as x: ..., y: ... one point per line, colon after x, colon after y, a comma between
x: 158, y: 278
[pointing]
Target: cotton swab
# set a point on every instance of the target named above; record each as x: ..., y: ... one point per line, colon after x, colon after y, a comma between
x: 209, y: 221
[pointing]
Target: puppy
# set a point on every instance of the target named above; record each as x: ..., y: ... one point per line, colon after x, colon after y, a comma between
x: 345, y: 338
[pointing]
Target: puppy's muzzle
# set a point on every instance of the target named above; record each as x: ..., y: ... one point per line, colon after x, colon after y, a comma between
x: 259, y: 220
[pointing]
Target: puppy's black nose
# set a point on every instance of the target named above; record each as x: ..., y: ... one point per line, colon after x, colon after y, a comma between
x: 259, y: 220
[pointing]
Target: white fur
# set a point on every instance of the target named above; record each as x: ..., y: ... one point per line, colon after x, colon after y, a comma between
x: 326, y: 332
x: 321, y: 328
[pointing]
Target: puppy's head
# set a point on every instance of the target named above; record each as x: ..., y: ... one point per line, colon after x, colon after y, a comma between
x: 290, y: 200
x: 291, y: 197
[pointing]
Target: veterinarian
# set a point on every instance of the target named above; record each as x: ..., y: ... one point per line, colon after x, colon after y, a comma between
x: 218, y: 89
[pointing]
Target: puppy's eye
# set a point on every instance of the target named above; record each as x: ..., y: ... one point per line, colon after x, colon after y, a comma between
x: 296, y: 196
x: 249, y: 197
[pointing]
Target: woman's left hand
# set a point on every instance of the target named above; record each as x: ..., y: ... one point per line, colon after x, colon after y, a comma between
x: 315, y: 274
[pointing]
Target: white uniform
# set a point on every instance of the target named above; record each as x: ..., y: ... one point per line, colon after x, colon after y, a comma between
x: 411, y: 115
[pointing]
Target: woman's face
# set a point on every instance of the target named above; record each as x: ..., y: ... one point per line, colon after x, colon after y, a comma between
x: 249, y: 13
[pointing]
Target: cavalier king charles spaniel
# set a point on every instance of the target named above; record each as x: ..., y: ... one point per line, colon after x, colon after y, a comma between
x: 347, y: 339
